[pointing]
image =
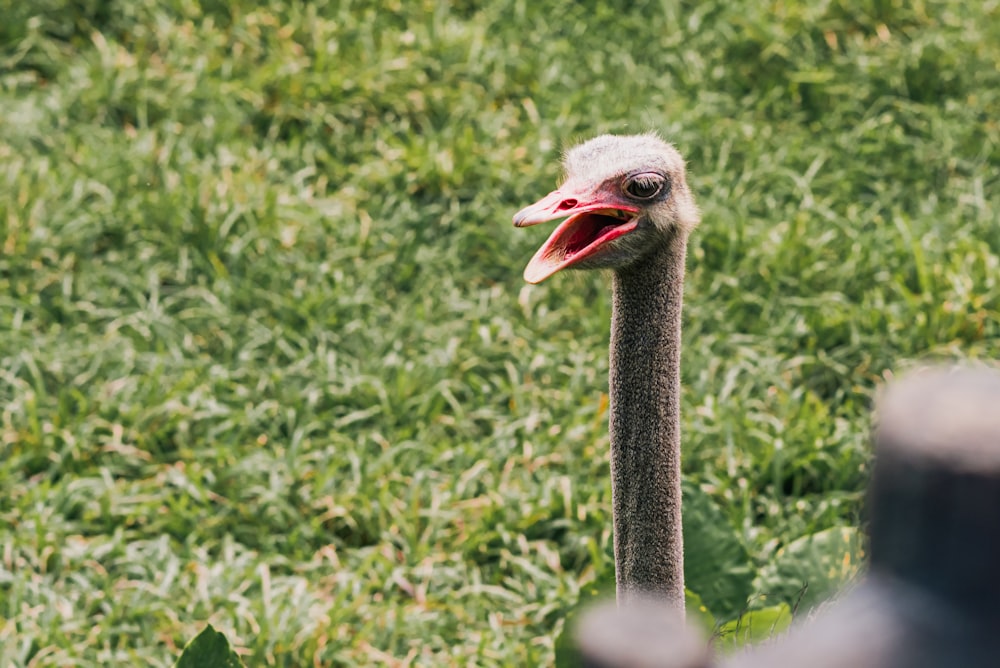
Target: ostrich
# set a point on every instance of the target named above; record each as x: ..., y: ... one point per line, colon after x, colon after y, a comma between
x: 628, y: 209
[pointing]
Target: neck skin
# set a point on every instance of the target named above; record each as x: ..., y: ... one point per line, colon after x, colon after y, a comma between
x: 645, y: 426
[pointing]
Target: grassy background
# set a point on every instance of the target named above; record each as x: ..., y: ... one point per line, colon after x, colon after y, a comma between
x: 267, y: 359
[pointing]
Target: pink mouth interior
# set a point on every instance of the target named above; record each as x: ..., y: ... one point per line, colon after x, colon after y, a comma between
x: 576, y: 238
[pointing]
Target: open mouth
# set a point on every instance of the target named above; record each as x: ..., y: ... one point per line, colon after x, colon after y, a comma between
x: 578, y: 237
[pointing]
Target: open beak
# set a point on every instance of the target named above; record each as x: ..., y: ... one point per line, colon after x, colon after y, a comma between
x: 593, y: 220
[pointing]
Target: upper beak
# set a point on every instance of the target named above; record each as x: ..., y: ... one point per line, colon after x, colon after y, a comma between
x: 561, y: 204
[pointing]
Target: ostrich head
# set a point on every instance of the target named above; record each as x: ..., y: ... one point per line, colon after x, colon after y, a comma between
x: 623, y: 197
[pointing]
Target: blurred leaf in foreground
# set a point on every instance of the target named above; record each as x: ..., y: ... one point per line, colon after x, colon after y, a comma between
x: 209, y: 649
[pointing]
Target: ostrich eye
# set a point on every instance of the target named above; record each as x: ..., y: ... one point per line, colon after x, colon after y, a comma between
x: 644, y: 186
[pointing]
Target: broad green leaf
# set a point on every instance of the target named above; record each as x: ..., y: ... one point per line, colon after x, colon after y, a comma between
x: 810, y: 569
x: 209, y: 649
x: 754, y: 626
x: 716, y: 564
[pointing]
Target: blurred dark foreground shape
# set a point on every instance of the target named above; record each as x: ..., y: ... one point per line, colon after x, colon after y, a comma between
x: 931, y: 598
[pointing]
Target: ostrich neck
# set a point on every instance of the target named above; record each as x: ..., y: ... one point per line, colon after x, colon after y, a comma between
x: 645, y: 425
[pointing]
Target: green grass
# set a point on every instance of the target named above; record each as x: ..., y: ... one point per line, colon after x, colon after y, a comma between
x: 267, y: 360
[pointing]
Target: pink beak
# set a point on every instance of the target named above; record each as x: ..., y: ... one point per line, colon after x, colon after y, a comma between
x: 593, y: 220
